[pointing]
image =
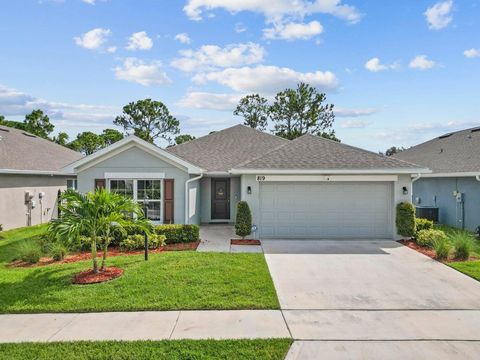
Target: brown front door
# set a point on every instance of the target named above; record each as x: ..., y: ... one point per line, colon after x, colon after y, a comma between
x: 220, y: 198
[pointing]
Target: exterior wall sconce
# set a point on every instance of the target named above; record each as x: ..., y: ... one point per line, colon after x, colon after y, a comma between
x: 405, y: 190
x: 249, y: 190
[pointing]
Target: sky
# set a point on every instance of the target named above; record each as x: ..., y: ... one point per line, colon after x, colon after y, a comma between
x: 398, y: 72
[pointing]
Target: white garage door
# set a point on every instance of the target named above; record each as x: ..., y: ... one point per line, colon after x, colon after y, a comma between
x: 326, y: 210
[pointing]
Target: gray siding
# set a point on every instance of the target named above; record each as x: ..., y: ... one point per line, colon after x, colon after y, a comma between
x: 135, y: 160
x: 206, y: 190
x: 439, y: 192
x: 13, y: 211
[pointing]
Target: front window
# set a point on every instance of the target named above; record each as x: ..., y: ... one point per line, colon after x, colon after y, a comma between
x: 139, y: 190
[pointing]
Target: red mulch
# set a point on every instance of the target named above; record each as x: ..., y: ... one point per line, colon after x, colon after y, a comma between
x: 413, y: 245
x: 244, y: 242
x: 111, y: 252
x: 89, y: 277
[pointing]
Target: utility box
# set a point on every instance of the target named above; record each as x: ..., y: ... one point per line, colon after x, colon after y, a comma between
x: 427, y: 212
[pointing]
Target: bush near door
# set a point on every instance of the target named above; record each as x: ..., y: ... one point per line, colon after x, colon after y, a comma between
x: 243, y: 223
x: 405, y: 219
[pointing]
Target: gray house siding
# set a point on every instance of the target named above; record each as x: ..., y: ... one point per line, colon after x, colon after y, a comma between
x: 439, y: 192
x: 135, y: 160
x: 13, y: 210
x: 206, y: 192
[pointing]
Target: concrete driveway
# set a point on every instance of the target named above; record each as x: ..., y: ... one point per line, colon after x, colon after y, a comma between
x: 359, y: 292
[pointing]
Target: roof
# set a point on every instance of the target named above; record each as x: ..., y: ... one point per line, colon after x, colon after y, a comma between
x: 456, y: 152
x: 22, y: 152
x: 127, y: 143
x: 222, y: 150
x: 310, y: 152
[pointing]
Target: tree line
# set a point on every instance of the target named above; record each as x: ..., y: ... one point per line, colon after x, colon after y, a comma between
x: 293, y: 113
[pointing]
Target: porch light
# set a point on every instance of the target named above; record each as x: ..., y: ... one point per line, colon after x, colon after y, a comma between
x: 249, y: 190
x: 405, y: 190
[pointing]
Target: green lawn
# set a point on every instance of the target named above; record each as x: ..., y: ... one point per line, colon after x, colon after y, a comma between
x: 470, y: 268
x: 168, y: 281
x: 271, y: 349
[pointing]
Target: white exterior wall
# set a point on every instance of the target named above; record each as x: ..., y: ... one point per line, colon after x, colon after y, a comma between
x: 13, y: 210
x: 398, y: 197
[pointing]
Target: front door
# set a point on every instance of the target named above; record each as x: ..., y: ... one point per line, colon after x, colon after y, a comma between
x: 220, y: 199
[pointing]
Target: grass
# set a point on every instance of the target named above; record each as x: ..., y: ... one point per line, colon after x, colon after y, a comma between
x: 168, y: 281
x: 271, y: 349
x: 450, y: 232
x: 470, y: 268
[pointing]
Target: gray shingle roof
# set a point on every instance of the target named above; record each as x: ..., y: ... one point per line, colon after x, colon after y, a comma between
x: 20, y: 150
x: 449, y: 153
x: 314, y: 152
x: 223, y: 150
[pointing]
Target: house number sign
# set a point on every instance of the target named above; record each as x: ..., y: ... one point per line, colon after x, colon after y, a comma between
x: 260, y: 177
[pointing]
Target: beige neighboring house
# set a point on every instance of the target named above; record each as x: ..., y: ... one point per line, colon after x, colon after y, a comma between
x: 29, y: 177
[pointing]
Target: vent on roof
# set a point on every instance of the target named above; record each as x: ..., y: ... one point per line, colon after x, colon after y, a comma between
x: 445, y: 136
x: 475, y: 130
x: 6, y: 130
x: 29, y: 135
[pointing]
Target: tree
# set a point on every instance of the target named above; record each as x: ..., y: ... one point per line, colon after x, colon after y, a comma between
x: 61, y: 139
x: 87, y: 143
x: 110, y: 136
x: 330, y: 135
x: 393, y: 150
x: 243, y: 222
x: 301, y: 111
x: 254, y: 110
x: 149, y: 120
x: 39, y: 124
x: 180, y: 139
x: 93, y: 214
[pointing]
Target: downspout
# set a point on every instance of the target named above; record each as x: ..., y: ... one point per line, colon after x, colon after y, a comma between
x: 477, y: 177
x: 187, y: 183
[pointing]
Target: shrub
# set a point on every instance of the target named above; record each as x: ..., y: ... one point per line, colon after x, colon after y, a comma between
x: 136, y: 242
x: 442, y: 248
x: 430, y: 237
x: 405, y: 219
x: 1, y: 227
x: 178, y: 233
x: 462, y: 243
x: 243, y: 222
x: 30, y: 252
x: 58, y: 251
x: 423, y: 224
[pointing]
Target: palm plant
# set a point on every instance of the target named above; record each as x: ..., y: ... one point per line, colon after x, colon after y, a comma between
x: 94, y: 214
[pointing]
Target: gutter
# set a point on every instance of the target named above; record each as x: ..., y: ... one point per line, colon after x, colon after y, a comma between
x: 187, y: 183
x: 416, y: 177
x: 34, y: 172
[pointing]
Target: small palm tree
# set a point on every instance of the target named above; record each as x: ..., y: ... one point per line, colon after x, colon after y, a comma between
x: 96, y: 214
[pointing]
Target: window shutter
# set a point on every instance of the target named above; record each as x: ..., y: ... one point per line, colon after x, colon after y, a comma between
x: 168, y: 194
x: 99, y: 184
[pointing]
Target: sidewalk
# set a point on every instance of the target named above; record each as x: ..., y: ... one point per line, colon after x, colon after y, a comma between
x: 145, y: 325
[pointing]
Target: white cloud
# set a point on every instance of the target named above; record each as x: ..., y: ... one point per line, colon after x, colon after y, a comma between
x: 438, y: 16
x: 354, y: 124
x: 275, y: 10
x: 472, y: 53
x: 91, y: 2
x: 292, y: 31
x: 93, y: 39
x: 183, y: 38
x: 421, y: 62
x: 375, y: 65
x: 240, y: 27
x: 343, y: 112
x: 206, y: 100
x: 112, y: 49
x: 139, y: 41
x: 136, y: 70
x: 210, y: 57
x: 267, y: 79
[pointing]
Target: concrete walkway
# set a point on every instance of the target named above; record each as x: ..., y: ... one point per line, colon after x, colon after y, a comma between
x: 145, y: 325
x: 216, y: 238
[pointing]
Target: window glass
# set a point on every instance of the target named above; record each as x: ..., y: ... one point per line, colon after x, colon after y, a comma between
x: 123, y: 187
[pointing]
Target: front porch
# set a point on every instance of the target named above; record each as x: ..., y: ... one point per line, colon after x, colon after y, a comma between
x: 216, y: 238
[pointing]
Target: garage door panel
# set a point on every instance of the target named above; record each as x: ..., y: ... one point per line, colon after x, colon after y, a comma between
x: 325, y: 210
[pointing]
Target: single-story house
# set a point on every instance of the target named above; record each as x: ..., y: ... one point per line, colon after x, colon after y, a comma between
x: 30, y: 177
x: 453, y: 187
x: 309, y: 187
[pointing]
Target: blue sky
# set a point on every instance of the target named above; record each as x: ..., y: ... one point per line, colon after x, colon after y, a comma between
x: 398, y: 72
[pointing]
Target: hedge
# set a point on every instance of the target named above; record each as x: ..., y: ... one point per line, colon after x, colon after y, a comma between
x: 179, y: 233
x: 243, y: 223
x: 405, y: 219
x: 422, y: 224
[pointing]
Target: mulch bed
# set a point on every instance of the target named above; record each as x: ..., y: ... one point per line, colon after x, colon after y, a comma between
x: 428, y: 251
x: 114, y: 251
x: 89, y: 277
x: 244, y: 242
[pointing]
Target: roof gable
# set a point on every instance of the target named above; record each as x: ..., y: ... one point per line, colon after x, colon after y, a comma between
x: 455, y: 152
x: 314, y: 153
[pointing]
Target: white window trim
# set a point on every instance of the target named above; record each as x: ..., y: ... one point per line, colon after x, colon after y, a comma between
x: 135, y: 192
x: 133, y: 176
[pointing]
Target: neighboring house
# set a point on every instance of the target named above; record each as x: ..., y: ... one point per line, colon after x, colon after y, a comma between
x: 454, y: 184
x: 30, y: 177
x: 306, y: 188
